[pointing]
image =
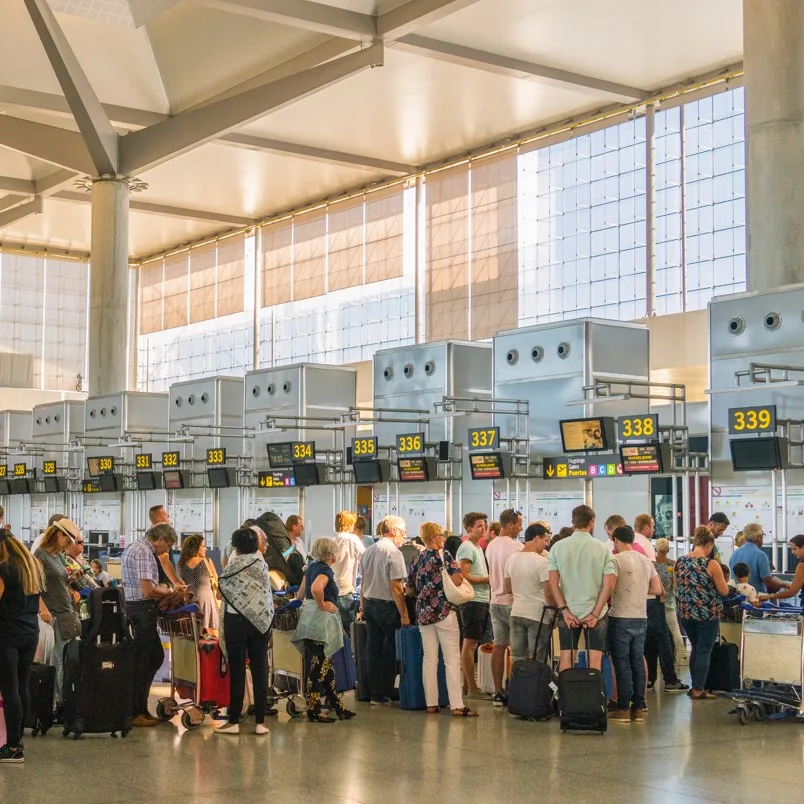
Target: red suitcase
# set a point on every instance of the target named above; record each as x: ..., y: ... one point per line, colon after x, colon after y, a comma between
x: 213, y: 678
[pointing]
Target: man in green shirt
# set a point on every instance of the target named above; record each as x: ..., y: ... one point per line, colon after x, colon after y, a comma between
x: 582, y: 577
x: 473, y: 615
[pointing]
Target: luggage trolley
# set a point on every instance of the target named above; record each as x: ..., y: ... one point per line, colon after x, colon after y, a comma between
x: 771, y: 664
x: 285, y: 661
x: 184, y: 631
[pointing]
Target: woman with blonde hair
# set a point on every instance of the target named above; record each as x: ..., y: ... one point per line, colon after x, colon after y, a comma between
x: 56, y: 596
x: 197, y: 572
x: 699, y: 586
x: 438, y: 622
x: 21, y: 583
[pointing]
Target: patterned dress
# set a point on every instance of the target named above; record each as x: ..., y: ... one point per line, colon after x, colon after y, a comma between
x: 432, y: 605
x: 696, y: 595
x: 200, y: 582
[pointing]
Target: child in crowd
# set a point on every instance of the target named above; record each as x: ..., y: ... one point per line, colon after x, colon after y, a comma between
x: 727, y: 575
x: 102, y: 578
x: 742, y: 573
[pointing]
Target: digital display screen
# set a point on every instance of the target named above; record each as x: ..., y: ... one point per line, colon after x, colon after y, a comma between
x: 147, y: 481
x: 488, y: 466
x: 55, y: 485
x: 583, y: 435
x: 219, y: 478
x: 367, y: 472
x: 100, y: 466
x: 142, y: 461
x: 108, y: 482
x: 643, y: 460
x: 174, y: 479
x: 755, y: 454
x: 280, y: 456
x: 413, y: 470
x: 4, y: 487
x: 277, y: 479
x: 20, y: 485
x: 306, y: 474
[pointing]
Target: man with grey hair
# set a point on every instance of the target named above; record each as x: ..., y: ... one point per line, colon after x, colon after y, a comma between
x: 382, y: 605
x: 752, y: 554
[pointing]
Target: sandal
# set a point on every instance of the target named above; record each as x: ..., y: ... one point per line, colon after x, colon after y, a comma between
x: 432, y: 710
x: 465, y: 712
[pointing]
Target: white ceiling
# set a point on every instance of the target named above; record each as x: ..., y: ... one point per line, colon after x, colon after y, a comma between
x: 413, y: 110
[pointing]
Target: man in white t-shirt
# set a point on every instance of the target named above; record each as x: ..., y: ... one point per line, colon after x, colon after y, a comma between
x: 527, y: 579
x: 473, y: 615
x: 628, y: 625
x: 347, y: 560
x: 497, y: 554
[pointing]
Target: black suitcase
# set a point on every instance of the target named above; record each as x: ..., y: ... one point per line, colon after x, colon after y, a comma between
x: 98, y: 687
x: 582, y: 700
x: 724, y: 668
x: 41, y: 688
x: 360, y: 651
x: 531, y: 682
x: 107, y: 621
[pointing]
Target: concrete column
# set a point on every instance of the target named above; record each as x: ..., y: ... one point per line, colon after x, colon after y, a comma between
x: 109, y: 330
x: 773, y: 40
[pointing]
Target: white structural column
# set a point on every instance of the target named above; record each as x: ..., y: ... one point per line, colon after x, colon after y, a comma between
x: 109, y: 329
x: 774, y: 66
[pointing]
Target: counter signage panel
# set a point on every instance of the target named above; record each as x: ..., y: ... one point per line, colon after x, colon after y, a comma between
x: 637, y: 428
x: 48, y: 467
x: 170, y: 460
x: 487, y: 466
x: 364, y: 449
x: 216, y: 457
x: 757, y: 419
x: 105, y: 465
x: 20, y: 469
x: 276, y: 479
x: 91, y: 486
x: 414, y: 470
x: 583, y: 466
x: 642, y: 460
x: 280, y: 456
x: 410, y: 444
x: 143, y: 461
x: 3, y: 471
x: 484, y: 438
x: 303, y: 451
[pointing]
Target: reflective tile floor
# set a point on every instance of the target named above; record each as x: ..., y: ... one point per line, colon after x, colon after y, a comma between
x: 685, y: 752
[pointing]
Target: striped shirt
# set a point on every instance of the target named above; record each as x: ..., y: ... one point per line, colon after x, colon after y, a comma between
x: 138, y: 564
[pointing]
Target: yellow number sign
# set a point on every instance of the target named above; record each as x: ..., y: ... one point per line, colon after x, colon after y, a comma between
x: 143, y: 461
x: 484, y: 438
x: 638, y: 427
x: 216, y: 457
x: 364, y: 447
x: 760, y: 419
x: 170, y: 460
x: 49, y: 467
x: 105, y: 464
x: 303, y: 450
x: 410, y: 444
x: 20, y: 469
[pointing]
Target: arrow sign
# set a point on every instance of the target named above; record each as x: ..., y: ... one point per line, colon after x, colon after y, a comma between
x: 550, y: 471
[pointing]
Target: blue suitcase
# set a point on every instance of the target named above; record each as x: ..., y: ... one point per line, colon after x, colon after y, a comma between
x: 409, y: 654
x: 608, y: 673
x: 344, y: 665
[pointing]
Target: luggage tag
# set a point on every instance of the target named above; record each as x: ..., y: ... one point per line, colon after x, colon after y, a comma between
x: 397, y: 682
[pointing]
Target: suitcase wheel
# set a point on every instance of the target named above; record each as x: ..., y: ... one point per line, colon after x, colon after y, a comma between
x: 166, y: 708
x: 745, y: 716
x: 65, y: 733
x: 292, y: 709
x: 77, y: 735
x: 35, y: 732
x: 192, y: 717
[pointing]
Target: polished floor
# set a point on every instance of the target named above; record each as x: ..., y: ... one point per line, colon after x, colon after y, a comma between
x: 685, y: 752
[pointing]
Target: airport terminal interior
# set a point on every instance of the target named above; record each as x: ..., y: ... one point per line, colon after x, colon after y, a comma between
x: 263, y: 262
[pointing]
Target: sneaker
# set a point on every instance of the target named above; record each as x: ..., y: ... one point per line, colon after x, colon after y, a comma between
x: 228, y: 728
x: 676, y: 686
x: 612, y: 706
x: 380, y: 701
x: 638, y: 715
x: 9, y: 755
x: 651, y: 685
x: 261, y: 728
x: 499, y: 699
x: 477, y: 695
x: 620, y: 716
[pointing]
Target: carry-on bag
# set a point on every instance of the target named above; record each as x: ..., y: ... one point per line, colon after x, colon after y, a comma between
x: 724, y: 668
x: 107, y: 621
x: 360, y: 652
x: 41, y: 690
x: 531, y: 684
x: 344, y: 665
x: 214, y: 679
x: 98, y: 687
x: 582, y: 699
x: 409, y: 655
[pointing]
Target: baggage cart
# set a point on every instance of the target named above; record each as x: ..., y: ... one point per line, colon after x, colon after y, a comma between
x: 285, y: 662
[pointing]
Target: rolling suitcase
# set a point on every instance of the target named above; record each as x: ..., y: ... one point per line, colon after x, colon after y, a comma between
x: 360, y: 652
x: 41, y: 689
x: 531, y: 683
x: 724, y: 668
x: 582, y: 700
x: 344, y: 665
x: 214, y: 680
x: 409, y: 654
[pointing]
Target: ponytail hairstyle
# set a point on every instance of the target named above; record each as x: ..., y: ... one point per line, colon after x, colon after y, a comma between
x: 27, y: 568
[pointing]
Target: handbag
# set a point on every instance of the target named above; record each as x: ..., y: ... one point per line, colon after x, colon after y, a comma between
x: 457, y: 595
x: 69, y: 625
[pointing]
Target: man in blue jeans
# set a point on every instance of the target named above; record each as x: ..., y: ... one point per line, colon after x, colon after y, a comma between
x: 382, y: 605
x: 628, y: 625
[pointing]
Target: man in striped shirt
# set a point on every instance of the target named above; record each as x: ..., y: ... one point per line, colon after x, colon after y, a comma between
x: 141, y: 587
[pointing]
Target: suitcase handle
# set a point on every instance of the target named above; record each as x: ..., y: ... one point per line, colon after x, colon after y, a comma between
x: 554, y: 609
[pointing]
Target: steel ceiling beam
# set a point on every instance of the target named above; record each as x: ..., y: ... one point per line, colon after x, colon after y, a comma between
x: 100, y: 138
x: 416, y: 14
x: 20, y: 212
x: 163, y: 209
x: 151, y: 146
x: 304, y: 14
x: 52, y: 144
x: 514, y: 68
x: 8, y: 184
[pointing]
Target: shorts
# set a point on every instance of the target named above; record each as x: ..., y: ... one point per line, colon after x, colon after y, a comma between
x: 501, y: 623
x: 472, y: 617
x: 568, y: 638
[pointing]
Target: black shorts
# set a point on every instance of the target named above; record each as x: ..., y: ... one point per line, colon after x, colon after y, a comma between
x: 473, y: 618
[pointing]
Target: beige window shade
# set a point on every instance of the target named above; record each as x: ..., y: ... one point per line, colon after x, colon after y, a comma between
x: 231, y: 274
x: 448, y: 254
x: 309, y: 254
x: 277, y: 262
x: 346, y: 231
x: 495, y: 242
x: 384, y: 218
x: 202, y: 283
x: 176, y: 290
x: 151, y: 298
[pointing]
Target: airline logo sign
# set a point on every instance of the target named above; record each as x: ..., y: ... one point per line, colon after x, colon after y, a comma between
x: 583, y: 466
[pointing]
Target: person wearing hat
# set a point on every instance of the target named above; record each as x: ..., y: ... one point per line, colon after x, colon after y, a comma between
x: 57, y: 601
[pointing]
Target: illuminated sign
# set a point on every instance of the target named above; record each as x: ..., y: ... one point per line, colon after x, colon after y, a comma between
x: 91, y: 486
x: 484, y: 438
x: 642, y: 460
x: 3, y: 471
x: 585, y: 435
x: 637, y: 428
x: 758, y: 419
x: 49, y: 467
x: 565, y: 467
x: 364, y: 448
x: 216, y: 457
x: 414, y: 470
x: 100, y: 466
x: 303, y: 451
x: 170, y: 460
x: 486, y: 467
x: 20, y: 470
x: 276, y: 479
x: 143, y: 461
x: 410, y: 444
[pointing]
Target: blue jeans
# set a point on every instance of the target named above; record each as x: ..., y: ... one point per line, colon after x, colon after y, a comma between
x: 627, y: 645
x: 346, y: 608
x: 702, y: 635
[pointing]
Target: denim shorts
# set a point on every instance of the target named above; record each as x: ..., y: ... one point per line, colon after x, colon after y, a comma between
x: 568, y: 638
x: 501, y: 623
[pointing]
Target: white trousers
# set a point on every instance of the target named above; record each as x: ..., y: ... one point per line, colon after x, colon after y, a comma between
x: 675, y: 632
x: 446, y: 634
